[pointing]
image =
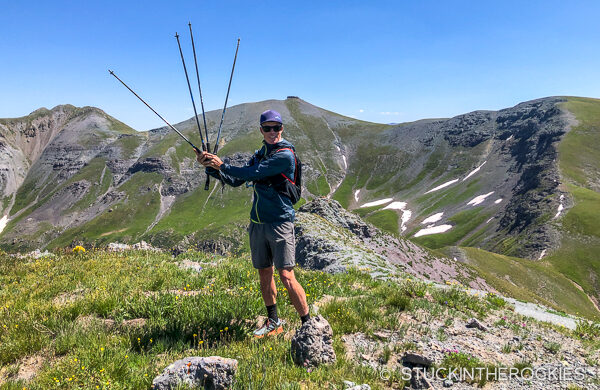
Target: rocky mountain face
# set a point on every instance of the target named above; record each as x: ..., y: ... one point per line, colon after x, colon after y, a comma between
x: 331, y: 239
x: 494, y: 173
x: 486, y: 179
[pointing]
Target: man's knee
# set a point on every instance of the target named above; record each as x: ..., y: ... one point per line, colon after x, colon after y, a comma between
x: 287, y: 276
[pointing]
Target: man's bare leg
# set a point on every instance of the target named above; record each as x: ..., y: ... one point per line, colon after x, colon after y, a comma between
x: 267, y: 286
x: 297, y: 294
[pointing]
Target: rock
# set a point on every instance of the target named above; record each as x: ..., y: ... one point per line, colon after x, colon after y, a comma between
x: 383, y: 334
x: 349, y: 384
x: 151, y: 164
x: 332, y: 211
x: 144, y: 246
x: 135, y: 323
x: 412, y: 359
x: 418, y: 380
x: 188, y: 264
x: 448, y: 383
x: 36, y: 254
x: 118, y: 247
x: 360, y: 387
x: 213, y: 372
x: 474, y: 323
x: 312, y: 344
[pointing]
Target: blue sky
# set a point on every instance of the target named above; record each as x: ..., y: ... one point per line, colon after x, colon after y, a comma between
x: 382, y: 61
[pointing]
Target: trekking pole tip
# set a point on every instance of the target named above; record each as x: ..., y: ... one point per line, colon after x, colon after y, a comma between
x: 111, y: 72
x: 176, y: 35
x: 189, y: 23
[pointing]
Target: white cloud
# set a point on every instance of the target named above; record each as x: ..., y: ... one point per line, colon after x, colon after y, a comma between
x: 361, y: 110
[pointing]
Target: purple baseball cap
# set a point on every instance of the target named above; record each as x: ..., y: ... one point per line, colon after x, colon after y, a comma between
x: 270, y: 116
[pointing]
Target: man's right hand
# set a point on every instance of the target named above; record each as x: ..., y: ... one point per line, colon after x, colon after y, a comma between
x: 202, y: 157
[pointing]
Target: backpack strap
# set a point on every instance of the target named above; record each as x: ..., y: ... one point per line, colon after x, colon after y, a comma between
x: 295, y: 165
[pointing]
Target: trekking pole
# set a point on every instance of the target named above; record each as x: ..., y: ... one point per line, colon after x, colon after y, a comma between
x: 163, y: 119
x: 216, y: 147
x: 199, y: 88
x: 201, y: 100
x: 204, y: 146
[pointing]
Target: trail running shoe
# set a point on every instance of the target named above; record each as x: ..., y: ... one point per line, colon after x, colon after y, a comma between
x: 270, y: 328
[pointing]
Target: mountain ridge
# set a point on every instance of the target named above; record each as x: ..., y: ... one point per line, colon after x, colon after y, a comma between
x: 97, y: 180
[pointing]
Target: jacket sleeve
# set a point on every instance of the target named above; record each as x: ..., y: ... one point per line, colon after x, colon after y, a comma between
x: 228, y: 179
x: 277, y: 164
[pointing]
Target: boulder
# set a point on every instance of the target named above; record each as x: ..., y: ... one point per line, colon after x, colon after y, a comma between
x: 210, y: 373
x: 474, y: 323
x: 312, y: 344
x: 418, y: 380
x: 144, y: 246
x: 412, y: 359
x: 118, y: 247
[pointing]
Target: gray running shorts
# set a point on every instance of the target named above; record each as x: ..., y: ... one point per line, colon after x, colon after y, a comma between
x: 272, y: 244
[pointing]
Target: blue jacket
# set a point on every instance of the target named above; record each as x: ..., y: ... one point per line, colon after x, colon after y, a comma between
x: 268, y: 205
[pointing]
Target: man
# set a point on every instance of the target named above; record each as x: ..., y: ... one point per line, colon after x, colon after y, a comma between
x: 272, y: 215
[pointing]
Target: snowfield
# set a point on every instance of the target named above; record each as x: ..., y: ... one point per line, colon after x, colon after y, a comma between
x: 542, y: 254
x: 3, y: 222
x: 433, y: 218
x: 433, y: 230
x: 474, y: 171
x: 446, y: 184
x: 479, y: 199
x: 377, y: 202
x: 560, y: 208
x: 356, y: 195
x: 406, y: 214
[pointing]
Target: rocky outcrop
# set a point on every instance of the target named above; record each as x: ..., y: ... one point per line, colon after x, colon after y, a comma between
x: 151, y: 164
x: 331, y: 239
x: 336, y: 214
x: 536, y: 128
x: 210, y: 373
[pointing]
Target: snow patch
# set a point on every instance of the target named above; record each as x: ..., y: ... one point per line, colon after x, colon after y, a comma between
x: 396, y: 206
x: 448, y: 183
x: 433, y: 218
x: 479, y: 199
x: 560, y: 207
x: 3, y: 222
x: 498, y: 201
x: 509, y: 138
x: 406, y: 214
x: 377, y: 202
x: 474, y: 171
x: 338, y: 148
x: 433, y: 230
x: 345, y: 163
x: 488, y: 221
x: 542, y: 254
x: 356, y: 195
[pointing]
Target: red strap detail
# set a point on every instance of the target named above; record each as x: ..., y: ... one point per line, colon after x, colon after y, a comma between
x: 295, y: 165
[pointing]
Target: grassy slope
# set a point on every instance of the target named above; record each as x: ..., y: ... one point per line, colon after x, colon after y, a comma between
x: 579, y: 163
x: 530, y: 281
x: 129, y: 218
x: 463, y: 223
x: 43, y: 309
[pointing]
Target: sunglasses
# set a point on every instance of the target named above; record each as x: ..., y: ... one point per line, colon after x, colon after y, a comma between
x: 276, y: 128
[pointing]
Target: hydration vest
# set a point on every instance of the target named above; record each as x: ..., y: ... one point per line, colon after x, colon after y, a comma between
x: 290, y: 187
